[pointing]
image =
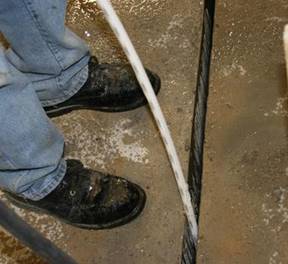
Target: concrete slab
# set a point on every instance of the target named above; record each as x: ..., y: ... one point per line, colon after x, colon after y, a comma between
x: 167, y: 36
x: 245, y: 189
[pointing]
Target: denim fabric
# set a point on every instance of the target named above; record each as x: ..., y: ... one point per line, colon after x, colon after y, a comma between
x: 45, y: 64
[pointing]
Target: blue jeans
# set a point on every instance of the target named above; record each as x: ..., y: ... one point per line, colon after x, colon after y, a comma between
x: 46, y: 64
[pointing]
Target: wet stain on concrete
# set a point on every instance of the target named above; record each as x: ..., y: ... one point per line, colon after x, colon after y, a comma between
x: 21, y: 255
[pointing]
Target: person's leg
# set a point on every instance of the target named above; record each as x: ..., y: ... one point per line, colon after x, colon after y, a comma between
x: 56, y: 60
x: 48, y: 62
x: 31, y: 148
x: 34, y: 174
x: 42, y: 48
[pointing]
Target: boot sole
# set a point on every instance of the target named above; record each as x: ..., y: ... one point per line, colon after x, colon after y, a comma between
x: 122, y: 221
x: 134, y: 105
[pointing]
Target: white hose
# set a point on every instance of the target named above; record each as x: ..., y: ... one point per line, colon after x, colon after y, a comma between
x: 144, y: 81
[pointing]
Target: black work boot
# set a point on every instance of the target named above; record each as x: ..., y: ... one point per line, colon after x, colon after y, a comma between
x: 89, y: 199
x: 109, y: 88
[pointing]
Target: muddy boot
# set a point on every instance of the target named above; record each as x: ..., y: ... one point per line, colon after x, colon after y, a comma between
x: 109, y: 88
x: 89, y: 199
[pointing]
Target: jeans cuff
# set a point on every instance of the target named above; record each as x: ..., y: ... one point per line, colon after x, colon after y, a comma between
x: 77, y: 83
x: 48, y: 185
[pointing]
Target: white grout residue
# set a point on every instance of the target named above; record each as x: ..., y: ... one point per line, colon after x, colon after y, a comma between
x: 233, y: 68
x: 276, y: 216
x: 280, y: 107
x: 98, y: 145
x: 133, y: 151
x: 171, y: 33
x: 274, y: 259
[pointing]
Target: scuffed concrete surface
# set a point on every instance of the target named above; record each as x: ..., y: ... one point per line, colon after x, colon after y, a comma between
x: 245, y: 188
x: 12, y: 251
x: 167, y: 36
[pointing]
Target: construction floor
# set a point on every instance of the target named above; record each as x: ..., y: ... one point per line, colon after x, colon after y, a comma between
x: 244, y: 209
x: 244, y: 212
x: 167, y: 35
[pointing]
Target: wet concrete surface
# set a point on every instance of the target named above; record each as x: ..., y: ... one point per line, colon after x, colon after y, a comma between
x: 167, y: 36
x: 245, y: 187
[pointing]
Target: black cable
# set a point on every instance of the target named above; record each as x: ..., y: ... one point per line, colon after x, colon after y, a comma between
x: 199, y: 123
x: 32, y: 238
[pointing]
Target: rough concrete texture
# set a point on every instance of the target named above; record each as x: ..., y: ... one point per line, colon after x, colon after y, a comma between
x: 167, y: 36
x: 244, y: 212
